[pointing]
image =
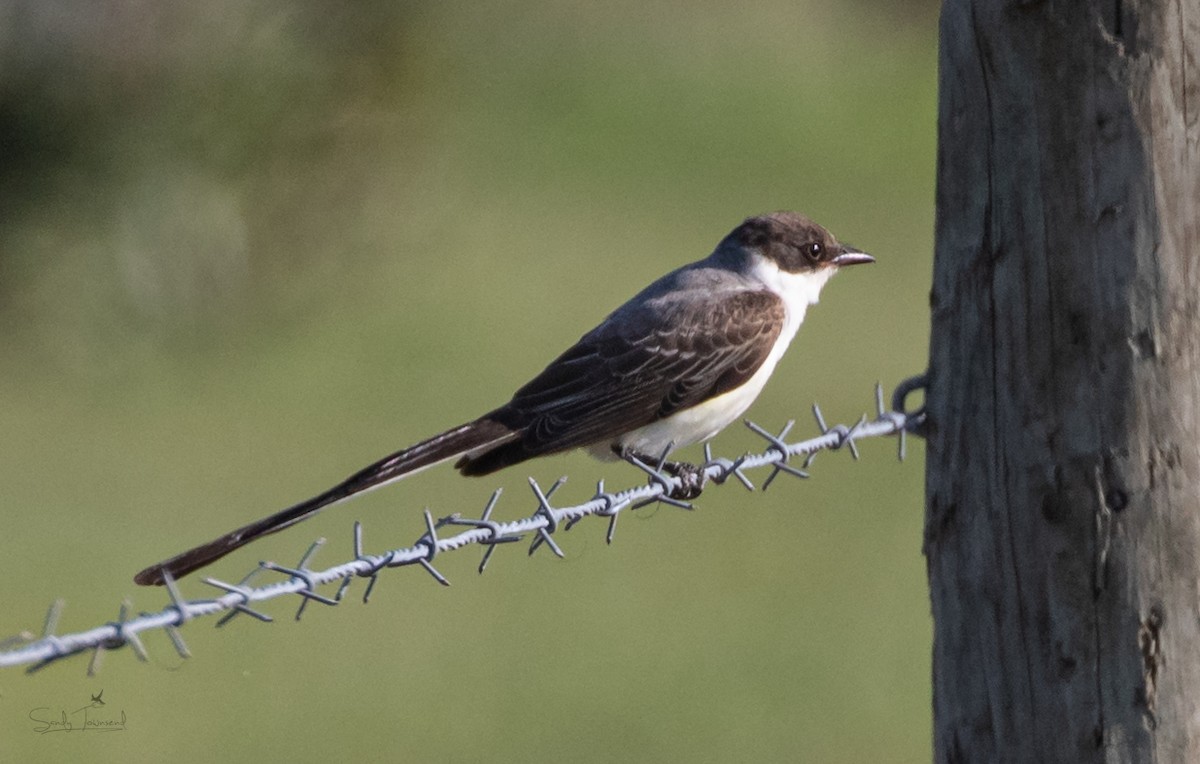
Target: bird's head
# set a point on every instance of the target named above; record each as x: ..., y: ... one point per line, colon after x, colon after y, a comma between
x: 794, y: 243
x: 788, y: 253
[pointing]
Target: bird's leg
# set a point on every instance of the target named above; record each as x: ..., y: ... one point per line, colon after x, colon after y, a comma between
x: 691, y: 477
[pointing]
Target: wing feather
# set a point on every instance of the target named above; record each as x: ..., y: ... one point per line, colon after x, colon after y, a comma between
x: 635, y: 368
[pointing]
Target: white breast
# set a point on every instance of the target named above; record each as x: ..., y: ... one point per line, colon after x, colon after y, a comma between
x: 701, y: 422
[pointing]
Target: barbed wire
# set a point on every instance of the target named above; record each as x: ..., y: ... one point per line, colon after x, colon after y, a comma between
x: 25, y: 648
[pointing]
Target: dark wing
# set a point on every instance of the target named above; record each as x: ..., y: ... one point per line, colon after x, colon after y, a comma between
x: 643, y: 364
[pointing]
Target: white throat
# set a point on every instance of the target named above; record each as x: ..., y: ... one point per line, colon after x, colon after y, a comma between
x: 797, y: 290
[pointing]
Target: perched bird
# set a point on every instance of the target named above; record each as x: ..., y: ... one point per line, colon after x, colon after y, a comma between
x: 669, y: 368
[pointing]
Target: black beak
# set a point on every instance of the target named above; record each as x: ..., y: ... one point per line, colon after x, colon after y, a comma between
x: 851, y: 256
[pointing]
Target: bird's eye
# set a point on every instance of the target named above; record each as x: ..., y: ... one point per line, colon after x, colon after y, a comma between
x: 814, y: 251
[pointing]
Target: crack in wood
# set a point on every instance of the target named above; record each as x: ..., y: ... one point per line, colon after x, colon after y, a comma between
x: 1149, y: 643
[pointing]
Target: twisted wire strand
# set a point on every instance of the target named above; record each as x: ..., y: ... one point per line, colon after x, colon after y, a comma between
x: 782, y: 457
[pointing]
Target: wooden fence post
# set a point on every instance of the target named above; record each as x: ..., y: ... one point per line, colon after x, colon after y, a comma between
x: 1063, y: 474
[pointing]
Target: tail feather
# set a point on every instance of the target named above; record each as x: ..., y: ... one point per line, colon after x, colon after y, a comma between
x: 498, y: 457
x: 467, y: 441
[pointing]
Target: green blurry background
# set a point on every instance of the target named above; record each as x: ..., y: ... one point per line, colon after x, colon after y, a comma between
x: 246, y: 248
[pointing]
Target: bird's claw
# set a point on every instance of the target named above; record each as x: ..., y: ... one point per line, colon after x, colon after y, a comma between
x: 691, y: 479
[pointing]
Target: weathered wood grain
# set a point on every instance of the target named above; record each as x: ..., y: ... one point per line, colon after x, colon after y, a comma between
x: 1063, y: 475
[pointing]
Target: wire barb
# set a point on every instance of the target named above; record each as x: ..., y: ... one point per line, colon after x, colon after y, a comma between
x: 780, y: 447
x: 430, y: 542
x: 909, y: 421
x: 495, y: 534
x: 725, y: 467
x: 669, y: 484
x: 544, y: 522
x: 371, y: 569
x: 612, y: 510
x: 241, y: 590
x: 545, y: 511
x: 310, y: 585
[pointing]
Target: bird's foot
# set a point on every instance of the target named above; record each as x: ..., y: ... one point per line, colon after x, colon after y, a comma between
x: 691, y: 477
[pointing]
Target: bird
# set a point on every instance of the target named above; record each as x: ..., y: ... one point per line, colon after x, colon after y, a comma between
x: 670, y: 368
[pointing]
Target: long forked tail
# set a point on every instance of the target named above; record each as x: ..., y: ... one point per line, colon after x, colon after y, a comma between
x: 470, y: 439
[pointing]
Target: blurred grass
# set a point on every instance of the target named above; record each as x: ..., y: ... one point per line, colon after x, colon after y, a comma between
x: 246, y: 248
